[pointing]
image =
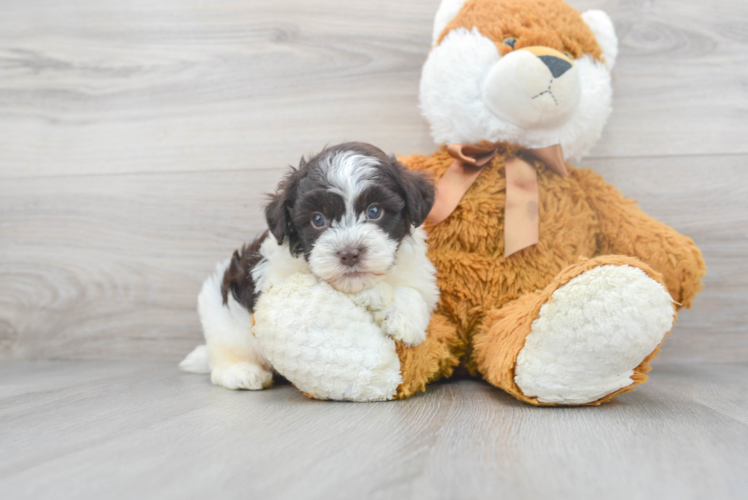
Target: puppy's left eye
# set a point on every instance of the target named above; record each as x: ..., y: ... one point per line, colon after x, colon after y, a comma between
x: 374, y: 212
x: 318, y: 220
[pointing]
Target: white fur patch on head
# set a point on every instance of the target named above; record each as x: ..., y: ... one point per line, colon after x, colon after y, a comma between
x: 349, y: 173
x: 448, y: 9
x: 451, y: 99
x: 605, y: 34
x: 590, y: 336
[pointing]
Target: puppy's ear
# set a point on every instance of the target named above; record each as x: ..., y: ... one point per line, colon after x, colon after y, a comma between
x: 419, y: 192
x: 278, y: 211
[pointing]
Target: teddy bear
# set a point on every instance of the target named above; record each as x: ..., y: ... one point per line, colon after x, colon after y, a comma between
x: 554, y: 287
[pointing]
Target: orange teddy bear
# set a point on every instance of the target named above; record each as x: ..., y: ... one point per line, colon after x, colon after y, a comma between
x: 554, y: 286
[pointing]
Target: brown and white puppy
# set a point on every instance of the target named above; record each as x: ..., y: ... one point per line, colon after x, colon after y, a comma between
x: 350, y: 215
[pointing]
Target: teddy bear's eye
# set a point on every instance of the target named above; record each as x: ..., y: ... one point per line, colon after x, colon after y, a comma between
x: 509, y: 41
x: 569, y: 55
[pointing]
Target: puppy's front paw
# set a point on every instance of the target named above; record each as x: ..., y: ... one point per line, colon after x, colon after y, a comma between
x: 398, y: 326
x: 406, y: 319
x: 375, y: 298
x: 242, y: 376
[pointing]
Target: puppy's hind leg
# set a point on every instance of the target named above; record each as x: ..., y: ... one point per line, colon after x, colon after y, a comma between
x: 233, y: 353
x: 196, y: 361
x: 238, y: 370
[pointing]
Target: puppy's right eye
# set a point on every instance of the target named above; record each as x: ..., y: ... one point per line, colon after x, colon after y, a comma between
x: 374, y: 212
x: 318, y: 220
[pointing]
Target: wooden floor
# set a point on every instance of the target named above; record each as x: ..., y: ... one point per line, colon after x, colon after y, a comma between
x: 136, y: 141
x: 140, y: 429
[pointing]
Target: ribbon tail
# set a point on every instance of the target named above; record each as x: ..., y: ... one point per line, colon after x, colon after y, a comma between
x: 521, y: 218
x: 451, y: 188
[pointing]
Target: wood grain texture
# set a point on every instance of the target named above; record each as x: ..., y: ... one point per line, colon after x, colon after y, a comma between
x: 103, y: 266
x: 114, y: 87
x: 143, y: 430
x: 136, y: 86
x: 137, y: 138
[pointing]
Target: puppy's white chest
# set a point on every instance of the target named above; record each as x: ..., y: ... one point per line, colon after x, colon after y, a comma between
x: 325, y: 344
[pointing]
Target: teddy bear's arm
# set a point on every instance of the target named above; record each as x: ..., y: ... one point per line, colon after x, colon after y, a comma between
x: 627, y: 230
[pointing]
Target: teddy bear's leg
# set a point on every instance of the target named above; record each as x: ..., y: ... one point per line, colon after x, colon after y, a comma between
x: 585, y: 338
x: 431, y: 360
x: 626, y: 230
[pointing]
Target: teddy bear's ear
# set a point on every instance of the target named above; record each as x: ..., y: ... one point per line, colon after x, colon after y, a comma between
x: 605, y: 33
x: 447, y: 11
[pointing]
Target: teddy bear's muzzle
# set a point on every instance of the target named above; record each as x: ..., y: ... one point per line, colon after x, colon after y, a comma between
x: 533, y: 87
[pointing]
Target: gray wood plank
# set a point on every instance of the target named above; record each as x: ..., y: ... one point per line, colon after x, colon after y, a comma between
x: 104, y: 264
x: 144, y: 430
x: 110, y: 266
x: 124, y: 86
x: 91, y: 87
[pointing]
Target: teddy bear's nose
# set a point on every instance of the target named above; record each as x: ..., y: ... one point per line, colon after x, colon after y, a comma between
x: 557, y: 65
x: 517, y: 89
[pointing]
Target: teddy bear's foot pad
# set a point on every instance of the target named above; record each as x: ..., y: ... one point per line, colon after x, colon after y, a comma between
x: 592, y: 334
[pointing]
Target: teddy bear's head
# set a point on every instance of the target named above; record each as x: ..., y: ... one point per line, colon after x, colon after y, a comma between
x: 534, y: 73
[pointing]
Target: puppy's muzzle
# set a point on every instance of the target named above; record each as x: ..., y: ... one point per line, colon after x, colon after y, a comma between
x: 533, y: 87
x: 349, y: 256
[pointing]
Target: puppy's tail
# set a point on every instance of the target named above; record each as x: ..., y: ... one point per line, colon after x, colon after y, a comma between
x: 196, y: 361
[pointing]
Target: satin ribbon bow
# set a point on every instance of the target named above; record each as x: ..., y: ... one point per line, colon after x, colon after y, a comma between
x: 522, y: 198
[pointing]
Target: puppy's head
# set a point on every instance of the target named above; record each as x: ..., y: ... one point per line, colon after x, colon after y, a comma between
x: 346, y: 210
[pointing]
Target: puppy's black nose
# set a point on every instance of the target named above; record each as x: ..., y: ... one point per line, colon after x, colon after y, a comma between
x: 557, y: 65
x: 349, y: 256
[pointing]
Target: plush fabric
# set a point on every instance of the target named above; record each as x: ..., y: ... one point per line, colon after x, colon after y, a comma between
x: 489, y: 301
x: 551, y: 24
x: 453, y: 89
x: 330, y: 348
x: 577, y: 318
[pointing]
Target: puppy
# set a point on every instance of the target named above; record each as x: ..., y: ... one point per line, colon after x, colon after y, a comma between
x: 350, y: 215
